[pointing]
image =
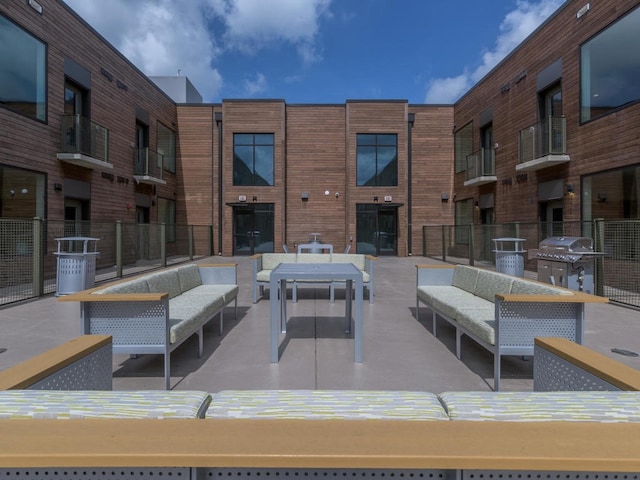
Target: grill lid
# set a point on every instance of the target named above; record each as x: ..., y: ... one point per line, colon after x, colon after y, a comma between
x: 566, y: 249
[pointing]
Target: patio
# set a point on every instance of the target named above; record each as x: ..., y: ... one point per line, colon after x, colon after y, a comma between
x: 399, y: 352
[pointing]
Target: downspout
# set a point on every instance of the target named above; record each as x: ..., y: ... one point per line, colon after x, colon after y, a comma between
x: 410, y: 120
x: 218, y: 117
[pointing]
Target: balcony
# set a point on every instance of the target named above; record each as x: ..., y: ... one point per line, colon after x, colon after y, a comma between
x: 84, y: 143
x: 543, y: 145
x: 148, y: 167
x: 481, y: 167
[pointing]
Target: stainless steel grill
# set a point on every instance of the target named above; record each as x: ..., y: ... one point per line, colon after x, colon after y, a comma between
x: 567, y: 262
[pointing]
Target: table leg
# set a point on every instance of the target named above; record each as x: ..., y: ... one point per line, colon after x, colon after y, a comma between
x: 283, y: 306
x: 348, y: 306
x: 358, y: 322
x: 274, y: 309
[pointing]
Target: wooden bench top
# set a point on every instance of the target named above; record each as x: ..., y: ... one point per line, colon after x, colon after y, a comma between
x: 41, y: 366
x: 366, y: 444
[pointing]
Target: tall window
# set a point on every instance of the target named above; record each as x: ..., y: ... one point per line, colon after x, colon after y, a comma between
x: 464, y: 218
x: 377, y: 160
x: 23, y: 71
x: 167, y: 215
x: 167, y: 147
x: 463, y: 147
x: 610, y: 68
x: 253, y: 158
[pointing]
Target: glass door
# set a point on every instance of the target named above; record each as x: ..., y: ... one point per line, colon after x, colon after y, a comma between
x: 253, y: 227
x: 376, y: 230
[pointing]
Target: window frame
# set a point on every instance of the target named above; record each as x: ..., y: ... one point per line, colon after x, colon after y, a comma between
x: 43, y: 91
x: 463, y: 137
x: 270, y: 182
x: 377, y: 145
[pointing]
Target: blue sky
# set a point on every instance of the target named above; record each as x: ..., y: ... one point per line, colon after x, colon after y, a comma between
x: 318, y: 51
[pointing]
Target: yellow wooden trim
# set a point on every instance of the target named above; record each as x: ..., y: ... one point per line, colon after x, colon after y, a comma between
x: 255, y: 256
x: 84, y: 296
x: 365, y: 444
x: 575, y: 297
x: 41, y: 366
x: 618, y: 374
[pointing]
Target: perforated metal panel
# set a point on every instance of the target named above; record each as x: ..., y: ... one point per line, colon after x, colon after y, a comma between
x: 130, y: 323
x: 544, y: 475
x: 83, y: 473
x: 552, y: 373
x: 257, y: 473
x: 92, y: 372
x: 521, y: 322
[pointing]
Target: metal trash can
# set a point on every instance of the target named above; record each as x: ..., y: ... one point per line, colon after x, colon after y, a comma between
x: 76, y: 269
x: 510, y: 256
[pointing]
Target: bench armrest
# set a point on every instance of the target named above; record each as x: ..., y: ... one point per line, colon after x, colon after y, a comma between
x: 219, y: 274
x: 434, y: 275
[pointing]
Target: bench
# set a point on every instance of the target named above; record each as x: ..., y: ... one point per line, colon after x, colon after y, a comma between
x: 500, y: 312
x: 264, y: 263
x: 388, y: 433
x: 157, y: 312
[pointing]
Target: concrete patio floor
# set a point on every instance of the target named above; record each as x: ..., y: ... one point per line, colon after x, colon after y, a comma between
x: 400, y: 353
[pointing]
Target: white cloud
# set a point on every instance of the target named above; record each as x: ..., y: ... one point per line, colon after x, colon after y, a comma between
x: 256, y: 24
x: 257, y: 84
x: 161, y: 37
x: 515, y: 27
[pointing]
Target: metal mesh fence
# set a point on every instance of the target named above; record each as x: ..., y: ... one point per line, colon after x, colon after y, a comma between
x: 28, y: 261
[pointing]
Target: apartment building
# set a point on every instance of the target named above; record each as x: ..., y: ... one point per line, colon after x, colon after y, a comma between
x: 550, y: 134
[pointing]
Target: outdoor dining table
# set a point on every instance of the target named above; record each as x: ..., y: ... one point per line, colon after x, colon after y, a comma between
x: 346, y: 272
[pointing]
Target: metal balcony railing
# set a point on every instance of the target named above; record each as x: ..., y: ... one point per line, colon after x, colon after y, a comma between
x: 548, y: 137
x: 82, y: 136
x: 148, y: 163
x: 481, y: 164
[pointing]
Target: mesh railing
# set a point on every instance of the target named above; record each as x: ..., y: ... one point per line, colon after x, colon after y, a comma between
x: 617, y: 274
x: 28, y: 261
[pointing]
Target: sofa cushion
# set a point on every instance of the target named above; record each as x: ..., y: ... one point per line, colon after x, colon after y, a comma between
x: 583, y: 406
x: 314, y: 258
x: 227, y: 292
x: 272, y: 260
x: 138, y: 285
x: 465, y: 278
x: 490, y: 283
x: 189, y: 312
x: 528, y: 287
x: 166, y: 281
x: 63, y: 404
x: 189, y: 277
x: 449, y: 303
x: 478, y: 321
x: 326, y: 404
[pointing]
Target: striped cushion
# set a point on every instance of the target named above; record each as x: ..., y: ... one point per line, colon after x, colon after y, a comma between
x: 326, y: 404
x: 62, y: 404
x: 543, y: 406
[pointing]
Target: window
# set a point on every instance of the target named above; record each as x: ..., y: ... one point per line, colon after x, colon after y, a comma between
x: 610, y: 68
x: 377, y: 160
x: 253, y: 158
x: 167, y: 215
x: 464, y: 218
x: 463, y: 147
x: 167, y: 147
x: 23, y: 75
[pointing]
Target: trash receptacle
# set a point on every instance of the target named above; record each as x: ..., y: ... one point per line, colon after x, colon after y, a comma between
x: 76, y: 269
x: 510, y: 256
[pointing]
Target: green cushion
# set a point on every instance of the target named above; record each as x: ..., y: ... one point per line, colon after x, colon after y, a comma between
x: 490, y: 283
x: 326, y: 404
x: 610, y: 406
x: 62, y: 404
x: 189, y: 277
x: 465, y: 278
x: 139, y: 285
x: 166, y: 281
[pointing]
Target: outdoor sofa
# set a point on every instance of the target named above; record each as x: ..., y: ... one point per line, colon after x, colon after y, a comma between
x: 264, y: 263
x: 194, y: 434
x: 502, y: 313
x: 158, y: 311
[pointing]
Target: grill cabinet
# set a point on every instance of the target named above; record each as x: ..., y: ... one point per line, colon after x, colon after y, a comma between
x: 567, y: 262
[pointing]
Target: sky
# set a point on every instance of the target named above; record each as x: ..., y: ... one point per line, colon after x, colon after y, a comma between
x: 318, y: 51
